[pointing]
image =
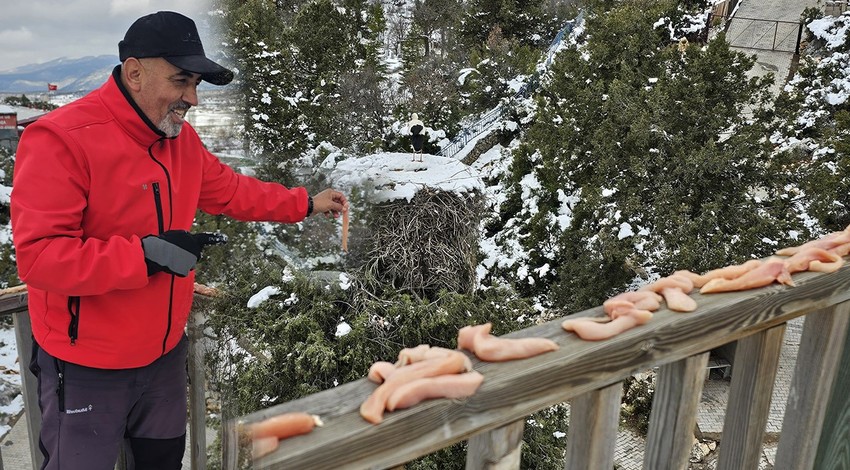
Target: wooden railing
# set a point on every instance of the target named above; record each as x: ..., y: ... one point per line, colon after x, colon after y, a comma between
x: 15, y: 303
x: 589, y: 376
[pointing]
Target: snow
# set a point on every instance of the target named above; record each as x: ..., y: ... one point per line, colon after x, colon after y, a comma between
x: 342, y: 329
x: 11, y: 377
x: 344, y: 281
x: 262, y: 296
x: 393, y: 176
x: 831, y: 29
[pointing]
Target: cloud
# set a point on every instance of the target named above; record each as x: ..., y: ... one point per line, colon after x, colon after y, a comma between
x: 16, y: 37
x: 37, y: 31
x: 129, y: 7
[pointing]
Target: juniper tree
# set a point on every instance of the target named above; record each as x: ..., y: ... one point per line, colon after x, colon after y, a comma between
x: 812, y: 134
x: 641, y: 160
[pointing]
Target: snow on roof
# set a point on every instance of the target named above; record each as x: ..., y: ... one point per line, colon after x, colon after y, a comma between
x: 22, y: 112
x: 394, y: 176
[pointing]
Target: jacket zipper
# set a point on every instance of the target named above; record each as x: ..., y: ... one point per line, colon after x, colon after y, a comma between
x: 162, y: 227
x: 74, y: 325
x: 157, y: 200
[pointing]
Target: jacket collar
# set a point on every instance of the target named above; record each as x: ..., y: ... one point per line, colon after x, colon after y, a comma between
x: 128, y: 114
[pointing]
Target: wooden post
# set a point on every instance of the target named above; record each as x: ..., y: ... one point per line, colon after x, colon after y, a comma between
x: 594, y: 419
x: 674, y: 413
x: 499, y: 449
x: 817, y: 361
x: 756, y: 358
x: 197, y: 393
x: 229, y: 444
x: 832, y: 451
x: 29, y: 384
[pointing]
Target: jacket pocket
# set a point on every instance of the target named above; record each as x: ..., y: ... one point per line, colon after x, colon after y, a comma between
x: 60, y: 384
x: 74, y: 324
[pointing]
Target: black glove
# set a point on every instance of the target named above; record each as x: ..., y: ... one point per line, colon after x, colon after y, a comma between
x: 177, y: 251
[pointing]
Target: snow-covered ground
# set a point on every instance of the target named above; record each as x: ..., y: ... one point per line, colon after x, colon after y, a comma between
x: 11, y: 400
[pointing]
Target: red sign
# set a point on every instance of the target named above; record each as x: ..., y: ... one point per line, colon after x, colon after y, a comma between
x: 52, y: 87
x: 8, y: 121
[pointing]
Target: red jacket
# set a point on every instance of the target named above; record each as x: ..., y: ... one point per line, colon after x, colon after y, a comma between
x: 91, y: 179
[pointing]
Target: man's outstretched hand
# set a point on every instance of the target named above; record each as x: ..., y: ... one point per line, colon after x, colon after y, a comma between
x: 330, y: 202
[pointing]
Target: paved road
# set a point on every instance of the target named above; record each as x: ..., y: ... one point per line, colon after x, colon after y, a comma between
x: 774, y: 33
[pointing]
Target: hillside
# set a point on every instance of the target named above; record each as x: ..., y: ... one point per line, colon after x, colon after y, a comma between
x: 71, y: 75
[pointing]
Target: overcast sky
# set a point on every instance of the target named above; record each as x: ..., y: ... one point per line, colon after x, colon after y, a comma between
x: 37, y: 31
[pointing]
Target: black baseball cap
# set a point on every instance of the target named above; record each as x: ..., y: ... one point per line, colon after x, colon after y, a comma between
x: 173, y: 37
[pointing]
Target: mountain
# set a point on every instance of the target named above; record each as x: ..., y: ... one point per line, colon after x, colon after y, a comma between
x: 71, y: 75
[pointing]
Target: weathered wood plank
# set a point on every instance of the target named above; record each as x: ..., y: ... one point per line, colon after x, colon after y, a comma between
x: 29, y: 384
x: 678, y: 388
x: 814, y: 374
x: 594, y: 418
x: 834, y: 448
x: 756, y: 358
x: 576, y: 368
x: 197, y: 394
x: 499, y: 449
x: 14, y: 302
x: 230, y: 450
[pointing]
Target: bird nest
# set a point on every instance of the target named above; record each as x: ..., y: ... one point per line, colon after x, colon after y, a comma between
x: 427, y: 244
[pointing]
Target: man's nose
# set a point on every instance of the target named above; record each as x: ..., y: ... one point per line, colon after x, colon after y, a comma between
x: 191, y: 95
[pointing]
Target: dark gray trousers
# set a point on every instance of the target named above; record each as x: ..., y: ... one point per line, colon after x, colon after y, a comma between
x: 88, y: 413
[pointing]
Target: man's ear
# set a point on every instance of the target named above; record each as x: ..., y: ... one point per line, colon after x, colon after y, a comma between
x: 132, y: 72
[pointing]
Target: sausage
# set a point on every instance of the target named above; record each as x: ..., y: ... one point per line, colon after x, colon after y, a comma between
x: 477, y: 338
x: 827, y: 242
x: 673, y: 281
x: 379, y: 371
x: 410, y: 355
x: 372, y: 409
x: 592, y: 330
x: 813, y: 259
x: 443, y: 386
x: 642, y: 300
x: 727, y: 272
x: 494, y: 349
x: 261, y: 446
x: 771, y: 270
x: 466, y: 336
x: 675, y: 291
x: 423, y: 352
x: 678, y: 301
x: 841, y: 250
x: 285, y: 425
x: 696, y: 279
x: 345, y: 229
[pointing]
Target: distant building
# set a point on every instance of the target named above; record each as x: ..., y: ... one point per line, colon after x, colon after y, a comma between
x: 13, y: 120
x: 8, y: 127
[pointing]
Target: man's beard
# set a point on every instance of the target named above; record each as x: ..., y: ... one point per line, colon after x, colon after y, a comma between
x: 167, y: 124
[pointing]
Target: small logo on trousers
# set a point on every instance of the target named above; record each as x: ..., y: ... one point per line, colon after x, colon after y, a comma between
x: 84, y: 409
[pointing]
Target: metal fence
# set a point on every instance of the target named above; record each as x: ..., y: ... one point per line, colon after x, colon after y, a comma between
x: 769, y: 35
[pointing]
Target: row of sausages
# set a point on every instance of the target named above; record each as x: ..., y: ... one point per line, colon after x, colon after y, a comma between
x: 425, y: 372
x: 420, y: 373
x: 630, y: 309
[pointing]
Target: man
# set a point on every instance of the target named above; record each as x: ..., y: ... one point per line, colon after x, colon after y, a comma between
x: 105, y: 191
